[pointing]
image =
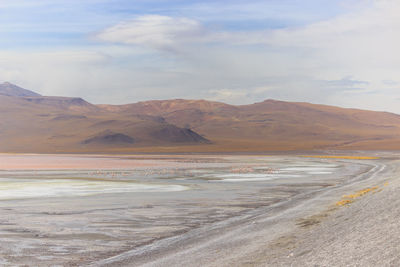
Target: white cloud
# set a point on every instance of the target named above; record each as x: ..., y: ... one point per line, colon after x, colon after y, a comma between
x: 228, y: 96
x: 52, y: 73
x: 174, y: 33
x: 160, y: 32
x: 349, y: 60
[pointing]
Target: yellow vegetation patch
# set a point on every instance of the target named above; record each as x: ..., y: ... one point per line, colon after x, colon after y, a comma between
x: 347, y: 199
x: 343, y: 202
x: 361, y: 192
x: 339, y: 157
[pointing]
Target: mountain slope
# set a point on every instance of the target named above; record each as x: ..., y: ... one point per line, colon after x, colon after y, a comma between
x: 9, y: 89
x: 277, y: 125
x: 60, y: 124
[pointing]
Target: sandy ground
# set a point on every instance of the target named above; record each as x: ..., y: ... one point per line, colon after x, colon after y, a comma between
x: 305, y: 231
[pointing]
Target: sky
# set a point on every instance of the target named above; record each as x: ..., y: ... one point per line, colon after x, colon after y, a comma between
x: 336, y: 52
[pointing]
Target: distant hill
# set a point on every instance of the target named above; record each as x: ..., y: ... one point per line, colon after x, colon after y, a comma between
x: 37, y: 123
x: 275, y: 125
x: 33, y: 123
x: 9, y: 89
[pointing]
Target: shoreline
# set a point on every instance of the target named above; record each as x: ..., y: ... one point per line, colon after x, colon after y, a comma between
x: 218, y: 222
x: 30, y: 161
x: 243, y: 241
x: 361, y: 233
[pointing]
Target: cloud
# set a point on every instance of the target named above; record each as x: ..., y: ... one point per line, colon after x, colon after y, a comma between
x: 390, y: 83
x: 345, y: 84
x: 196, y: 50
x: 65, y: 73
x: 159, y: 32
x: 229, y: 96
x: 171, y: 34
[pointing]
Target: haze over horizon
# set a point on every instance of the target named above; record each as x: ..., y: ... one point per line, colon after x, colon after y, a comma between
x: 341, y: 53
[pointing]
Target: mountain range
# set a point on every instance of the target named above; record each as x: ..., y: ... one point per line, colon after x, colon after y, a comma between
x: 30, y: 122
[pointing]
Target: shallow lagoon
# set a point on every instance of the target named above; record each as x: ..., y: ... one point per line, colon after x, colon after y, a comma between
x: 111, y: 204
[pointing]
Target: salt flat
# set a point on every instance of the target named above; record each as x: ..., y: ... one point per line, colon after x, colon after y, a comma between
x: 159, y: 210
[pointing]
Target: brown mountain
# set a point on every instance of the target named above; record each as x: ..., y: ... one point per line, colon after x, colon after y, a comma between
x: 33, y: 123
x: 62, y: 124
x: 275, y: 125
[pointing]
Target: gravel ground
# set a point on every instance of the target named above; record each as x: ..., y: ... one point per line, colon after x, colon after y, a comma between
x: 363, y: 233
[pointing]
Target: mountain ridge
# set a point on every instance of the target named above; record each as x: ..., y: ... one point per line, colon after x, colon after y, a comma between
x: 63, y: 124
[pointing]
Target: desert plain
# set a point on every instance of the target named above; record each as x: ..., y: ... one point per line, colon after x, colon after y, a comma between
x: 198, y: 210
